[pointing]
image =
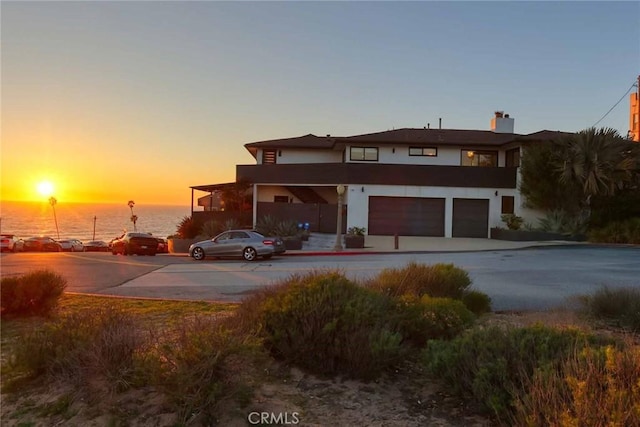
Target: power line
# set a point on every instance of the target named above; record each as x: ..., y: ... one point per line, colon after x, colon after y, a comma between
x: 615, y: 105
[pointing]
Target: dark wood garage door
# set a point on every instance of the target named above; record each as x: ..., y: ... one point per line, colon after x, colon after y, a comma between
x: 406, y: 216
x: 470, y: 218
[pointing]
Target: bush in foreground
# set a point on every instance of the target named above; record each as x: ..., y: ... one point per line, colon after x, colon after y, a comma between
x: 202, y: 363
x: 438, y: 280
x: 90, y: 342
x: 493, y: 365
x: 36, y: 293
x: 420, y: 320
x: 326, y: 324
x: 620, y: 306
x: 598, y: 386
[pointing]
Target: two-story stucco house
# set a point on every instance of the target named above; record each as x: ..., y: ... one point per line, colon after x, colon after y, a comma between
x: 413, y: 182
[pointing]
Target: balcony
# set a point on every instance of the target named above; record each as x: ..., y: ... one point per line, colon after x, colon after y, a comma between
x: 378, y: 174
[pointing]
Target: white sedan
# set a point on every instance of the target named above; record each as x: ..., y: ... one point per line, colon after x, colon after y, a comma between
x: 11, y: 243
x: 71, y: 245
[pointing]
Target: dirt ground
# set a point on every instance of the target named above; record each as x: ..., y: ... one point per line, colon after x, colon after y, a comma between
x: 402, y: 398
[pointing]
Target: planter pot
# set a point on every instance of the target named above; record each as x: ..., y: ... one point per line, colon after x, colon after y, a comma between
x: 528, y: 236
x: 292, y: 243
x: 180, y: 246
x: 353, y: 241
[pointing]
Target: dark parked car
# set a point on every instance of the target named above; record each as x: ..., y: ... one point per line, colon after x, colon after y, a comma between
x: 135, y: 243
x: 11, y: 243
x: 41, y: 244
x: 247, y: 244
x: 96, y: 246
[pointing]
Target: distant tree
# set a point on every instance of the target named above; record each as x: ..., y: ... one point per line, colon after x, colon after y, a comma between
x: 237, y: 197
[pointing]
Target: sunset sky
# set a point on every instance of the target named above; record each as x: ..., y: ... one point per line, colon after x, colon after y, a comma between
x: 113, y: 101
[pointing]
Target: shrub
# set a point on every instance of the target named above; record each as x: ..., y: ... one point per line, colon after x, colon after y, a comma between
x: 187, y: 228
x: 617, y: 232
x: 103, y: 342
x: 438, y: 280
x: 267, y: 225
x: 210, y: 229
x: 198, y: 367
x: 493, y: 365
x: 559, y: 221
x: 356, y: 231
x: 231, y: 224
x: 35, y: 293
x: 286, y: 229
x: 326, y: 324
x: 514, y: 222
x: 594, y: 387
x: 477, y: 302
x: 420, y: 320
x: 620, y: 306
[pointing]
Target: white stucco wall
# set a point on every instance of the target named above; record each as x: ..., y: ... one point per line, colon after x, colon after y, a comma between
x: 358, y: 201
x: 400, y: 155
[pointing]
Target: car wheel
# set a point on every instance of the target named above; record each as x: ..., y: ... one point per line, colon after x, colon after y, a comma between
x: 197, y: 254
x: 249, y: 254
x: 125, y: 250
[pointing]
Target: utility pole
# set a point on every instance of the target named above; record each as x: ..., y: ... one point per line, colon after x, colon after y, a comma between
x: 636, y: 135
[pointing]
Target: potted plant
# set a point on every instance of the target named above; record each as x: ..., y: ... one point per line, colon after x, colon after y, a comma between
x: 354, y: 237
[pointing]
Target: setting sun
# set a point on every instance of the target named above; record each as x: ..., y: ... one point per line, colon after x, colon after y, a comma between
x: 45, y: 188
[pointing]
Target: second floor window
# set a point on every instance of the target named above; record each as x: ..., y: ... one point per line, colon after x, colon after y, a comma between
x: 369, y: 154
x: 512, y: 158
x: 479, y: 158
x: 423, y: 151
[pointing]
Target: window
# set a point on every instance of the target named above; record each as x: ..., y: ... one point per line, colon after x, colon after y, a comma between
x: 268, y: 156
x: 507, y: 204
x: 479, y: 158
x: 280, y: 199
x: 239, y: 235
x: 423, y: 151
x: 369, y: 154
x: 513, y: 158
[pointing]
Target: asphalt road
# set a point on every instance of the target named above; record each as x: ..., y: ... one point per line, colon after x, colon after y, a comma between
x: 539, y: 278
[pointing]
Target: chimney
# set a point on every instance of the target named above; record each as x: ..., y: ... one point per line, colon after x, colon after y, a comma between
x: 502, y: 123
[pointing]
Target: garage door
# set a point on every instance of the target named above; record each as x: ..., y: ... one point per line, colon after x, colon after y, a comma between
x: 470, y: 218
x: 406, y: 216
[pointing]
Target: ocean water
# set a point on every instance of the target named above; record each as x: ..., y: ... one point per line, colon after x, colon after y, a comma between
x: 76, y: 220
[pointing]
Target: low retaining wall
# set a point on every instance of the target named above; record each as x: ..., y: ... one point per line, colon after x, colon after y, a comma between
x: 530, y: 236
x: 180, y: 246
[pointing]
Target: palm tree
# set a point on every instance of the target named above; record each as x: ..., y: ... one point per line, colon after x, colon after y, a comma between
x: 134, y: 218
x: 599, y: 162
x: 53, y: 201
